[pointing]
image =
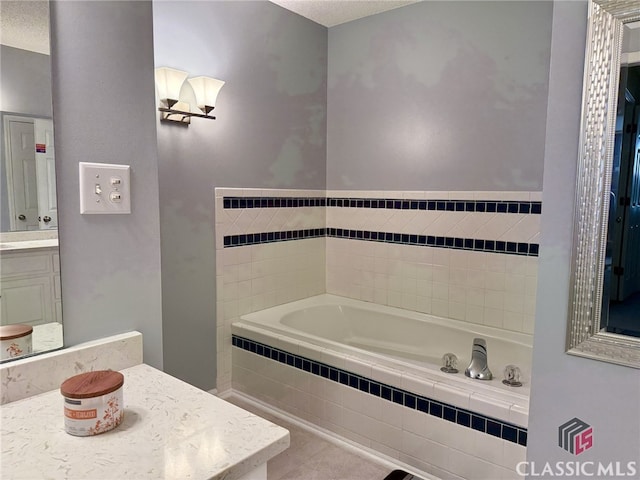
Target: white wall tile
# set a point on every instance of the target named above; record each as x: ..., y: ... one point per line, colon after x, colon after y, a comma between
x: 468, y: 466
x: 489, y: 406
x: 417, y: 385
x: 413, y: 421
x: 512, y: 455
x: 452, y: 395
x: 488, y: 448
x: 413, y: 437
x: 471, y: 286
x: 519, y: 415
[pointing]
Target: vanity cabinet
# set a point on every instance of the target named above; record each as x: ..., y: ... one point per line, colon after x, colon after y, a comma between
x: 30, y: 286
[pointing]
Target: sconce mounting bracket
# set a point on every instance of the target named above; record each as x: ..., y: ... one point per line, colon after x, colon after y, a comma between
x: 180, y: 116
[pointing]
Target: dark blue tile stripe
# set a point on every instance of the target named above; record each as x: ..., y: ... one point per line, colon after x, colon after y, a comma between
x: 473, y: 244
x: 488, y: 206
x: 478, y: 245
x: 270, y: 237
x: 273, y: 202
x: 466, y: 418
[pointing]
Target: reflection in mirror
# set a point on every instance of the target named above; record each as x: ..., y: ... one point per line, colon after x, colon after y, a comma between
x: 621, y: 286
x: 29, y: 260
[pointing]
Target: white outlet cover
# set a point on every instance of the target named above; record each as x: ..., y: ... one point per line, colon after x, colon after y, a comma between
x: 96, y: 187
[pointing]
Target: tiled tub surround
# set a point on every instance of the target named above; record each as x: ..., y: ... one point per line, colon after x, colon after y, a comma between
x: 449, y: 253
x: 252, y: 276
x: 470, y: 256
x: 418, y: 418
x: 453, y: 257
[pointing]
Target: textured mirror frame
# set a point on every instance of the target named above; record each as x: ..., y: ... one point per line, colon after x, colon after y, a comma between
x: 600, y: 92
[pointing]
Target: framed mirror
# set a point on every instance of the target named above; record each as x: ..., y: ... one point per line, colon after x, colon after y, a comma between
x: 29, y: 254
x: 606, y: 247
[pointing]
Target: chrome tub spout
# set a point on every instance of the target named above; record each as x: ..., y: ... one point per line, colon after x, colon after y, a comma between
x: 479, y: 368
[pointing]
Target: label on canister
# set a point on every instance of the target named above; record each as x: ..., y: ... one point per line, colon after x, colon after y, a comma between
x: 91, y: 416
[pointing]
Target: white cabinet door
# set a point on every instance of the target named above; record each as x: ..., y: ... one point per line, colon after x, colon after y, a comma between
x: 26, y: 301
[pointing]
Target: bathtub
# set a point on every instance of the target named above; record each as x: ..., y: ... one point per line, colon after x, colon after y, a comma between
x: 371, y: 374
x: 369, y: 337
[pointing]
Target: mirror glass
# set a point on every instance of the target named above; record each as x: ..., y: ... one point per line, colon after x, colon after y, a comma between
x: 30, y: 267
x: 621, y: 286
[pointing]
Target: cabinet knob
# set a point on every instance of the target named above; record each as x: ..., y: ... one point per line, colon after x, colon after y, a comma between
x: 22, y: 217
x: 47, y: 219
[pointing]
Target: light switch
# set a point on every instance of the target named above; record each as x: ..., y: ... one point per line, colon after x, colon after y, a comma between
x: 104, y: 188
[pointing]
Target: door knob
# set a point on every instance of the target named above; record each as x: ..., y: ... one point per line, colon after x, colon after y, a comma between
x: 22, y: 217
x: 47, y: 219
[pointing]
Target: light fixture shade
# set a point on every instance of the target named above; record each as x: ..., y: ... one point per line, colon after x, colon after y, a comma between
x: 169, y: 82
x: 206, y: 90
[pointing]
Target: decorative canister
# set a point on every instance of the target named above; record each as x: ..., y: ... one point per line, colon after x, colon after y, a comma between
x: 92, y: 402
x: 15, y: 340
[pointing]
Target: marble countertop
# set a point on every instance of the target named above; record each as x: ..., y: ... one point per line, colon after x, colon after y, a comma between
x: 171, y: 430
x: 16, y: 246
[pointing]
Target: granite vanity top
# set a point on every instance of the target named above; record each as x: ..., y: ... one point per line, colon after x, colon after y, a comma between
x: 171, y: 430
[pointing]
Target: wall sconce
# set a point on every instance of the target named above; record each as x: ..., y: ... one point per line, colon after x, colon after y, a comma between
x: 170, y: 81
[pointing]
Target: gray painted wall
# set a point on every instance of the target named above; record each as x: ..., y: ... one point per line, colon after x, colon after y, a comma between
x: 103, y: 99
x: 605, y: 396
x: 270, y: 133
x: 440, y: 96
x: 26, y: 82
x: 25, y: 89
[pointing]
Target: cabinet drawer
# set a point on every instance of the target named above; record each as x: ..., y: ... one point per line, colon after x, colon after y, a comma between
x: 20, y: 264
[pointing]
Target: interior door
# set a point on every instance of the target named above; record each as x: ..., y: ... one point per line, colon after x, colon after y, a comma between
x: 22, y: 178
x: 46, y: 173
x: 627, y: 270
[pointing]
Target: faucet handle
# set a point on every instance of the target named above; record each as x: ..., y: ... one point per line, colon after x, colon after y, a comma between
x: 512, y: 375
x: 450, y: 363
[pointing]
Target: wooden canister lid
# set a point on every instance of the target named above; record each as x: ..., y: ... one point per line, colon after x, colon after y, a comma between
x: 92, y: 384
x: 8, y: 332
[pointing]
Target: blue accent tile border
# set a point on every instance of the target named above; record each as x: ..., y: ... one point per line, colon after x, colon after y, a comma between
x: 477, y: 245
x: 488, y: 206
x: 466, y: 418
x: 472, y: 244
x: 273, y: 202
x: 270, y: 237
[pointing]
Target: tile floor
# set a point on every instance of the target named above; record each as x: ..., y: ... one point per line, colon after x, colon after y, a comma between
x: 311, y: 457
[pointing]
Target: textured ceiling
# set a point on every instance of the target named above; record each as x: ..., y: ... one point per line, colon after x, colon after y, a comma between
x: 334, y: 12
x: 25, y: 25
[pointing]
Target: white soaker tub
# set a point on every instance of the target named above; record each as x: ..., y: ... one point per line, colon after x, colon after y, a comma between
x: 407, y: 341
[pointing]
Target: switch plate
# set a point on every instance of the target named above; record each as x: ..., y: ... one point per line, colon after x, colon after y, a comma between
x: 104, y: 188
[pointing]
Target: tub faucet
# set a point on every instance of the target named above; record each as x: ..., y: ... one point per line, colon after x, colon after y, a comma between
x: 478, y: 368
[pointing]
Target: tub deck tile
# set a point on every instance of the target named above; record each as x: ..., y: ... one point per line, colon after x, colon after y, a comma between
x: 475, y: 417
